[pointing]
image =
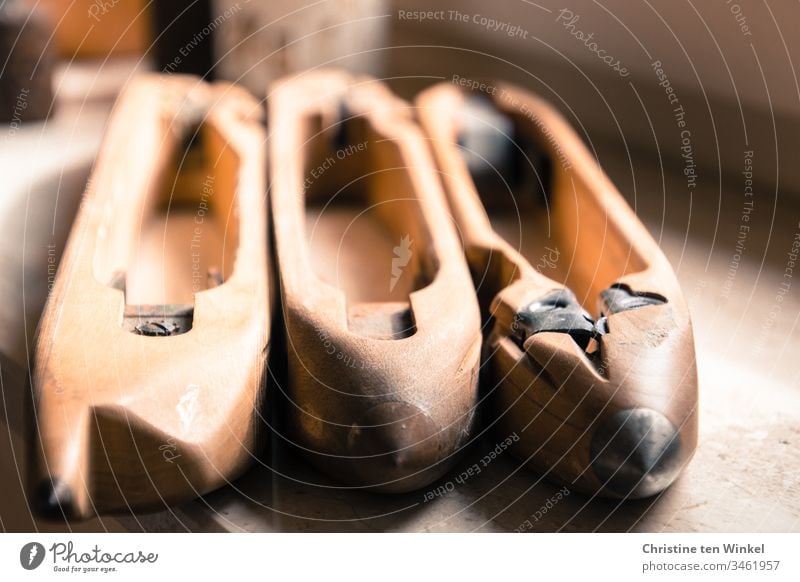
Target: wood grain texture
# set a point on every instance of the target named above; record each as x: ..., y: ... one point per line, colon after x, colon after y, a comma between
x: 46, y: 167
x: 382, y: 325
x: 745, y: 476
x: 570, y: 405
x: 123, y: 420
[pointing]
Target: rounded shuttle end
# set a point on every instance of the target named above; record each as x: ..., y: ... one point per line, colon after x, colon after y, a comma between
x: 636, y: 453
x: 394, y: 445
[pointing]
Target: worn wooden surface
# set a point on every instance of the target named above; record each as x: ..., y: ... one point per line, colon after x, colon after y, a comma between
x: 556, y: 395
x: 44, y: 183
x: 159, y: 407
x: 744, y: 477
x: 746, y: 473
x: 382, y: 360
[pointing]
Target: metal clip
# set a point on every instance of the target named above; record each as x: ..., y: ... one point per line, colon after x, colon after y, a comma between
x: 558, y: 311
x: 158, y: 320
x: 620, y: 297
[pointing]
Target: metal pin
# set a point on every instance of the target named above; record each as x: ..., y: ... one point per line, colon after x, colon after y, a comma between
x: 558, y: 311
x: 156, y: 328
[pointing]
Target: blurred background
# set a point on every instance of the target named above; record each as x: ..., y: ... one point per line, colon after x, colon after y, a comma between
x: 692, y: 108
